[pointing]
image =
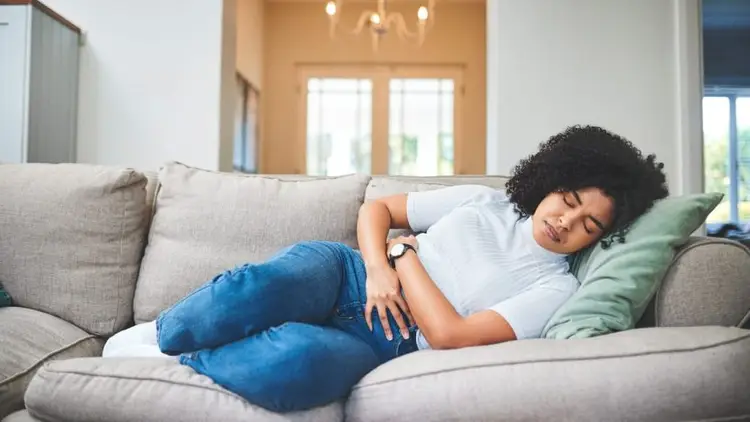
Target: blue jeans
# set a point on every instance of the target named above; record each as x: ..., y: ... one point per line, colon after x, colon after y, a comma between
x: 286, y: 334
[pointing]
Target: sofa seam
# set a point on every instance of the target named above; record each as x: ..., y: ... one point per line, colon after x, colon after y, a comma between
x: 744, y: 337
x: 279, y: 177
x: 121, y: 273
x: 46, y: 358
x: 132, y: 378
x: 680, y: 254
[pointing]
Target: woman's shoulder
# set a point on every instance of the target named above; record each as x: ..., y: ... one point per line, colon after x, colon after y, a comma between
x: 483, y: 193
x: 560, y: 278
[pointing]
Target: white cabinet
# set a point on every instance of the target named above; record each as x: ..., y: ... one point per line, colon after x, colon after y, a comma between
x: 39, y: 56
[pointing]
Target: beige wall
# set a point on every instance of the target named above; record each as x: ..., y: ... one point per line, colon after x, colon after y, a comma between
x: 227, y: 88
x: 250, y: 40
x: 297, y: 34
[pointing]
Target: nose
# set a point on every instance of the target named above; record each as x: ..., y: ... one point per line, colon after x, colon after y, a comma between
x: 564, y: 222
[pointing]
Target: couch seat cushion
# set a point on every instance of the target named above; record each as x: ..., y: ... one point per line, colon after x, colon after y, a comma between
x: 29, y: 338
x: 207, y: 222
x: 144, y: 390
x: 71, y: 239
x: 650, y: 374
x: 20, y: 416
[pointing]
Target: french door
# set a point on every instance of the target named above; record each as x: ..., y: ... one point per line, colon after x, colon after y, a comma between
x: 380, y: 120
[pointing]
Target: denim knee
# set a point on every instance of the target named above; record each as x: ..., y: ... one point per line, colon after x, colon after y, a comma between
x: 170, y: 335
x: 292, y: 367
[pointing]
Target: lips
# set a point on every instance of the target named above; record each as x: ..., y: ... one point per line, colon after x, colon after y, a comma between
x: 551, y: 232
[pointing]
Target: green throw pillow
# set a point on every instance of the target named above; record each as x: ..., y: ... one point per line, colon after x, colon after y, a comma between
x: 618, y: 283
x: 4, y: 298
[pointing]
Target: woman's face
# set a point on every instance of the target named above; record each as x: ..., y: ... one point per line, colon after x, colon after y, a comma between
x: 566, y: 222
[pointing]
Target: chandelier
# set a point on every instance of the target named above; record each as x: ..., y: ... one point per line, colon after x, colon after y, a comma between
x: 382, y: 21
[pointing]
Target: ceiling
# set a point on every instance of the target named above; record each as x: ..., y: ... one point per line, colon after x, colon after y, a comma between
x: 725, y: 14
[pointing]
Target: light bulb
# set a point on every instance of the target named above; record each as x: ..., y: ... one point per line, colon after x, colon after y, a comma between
x: 331, y: 8
x: 375, y: 19
x: 422, y: 13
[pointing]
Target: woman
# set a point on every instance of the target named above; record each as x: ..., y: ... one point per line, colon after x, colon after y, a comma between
x: 302, y: 328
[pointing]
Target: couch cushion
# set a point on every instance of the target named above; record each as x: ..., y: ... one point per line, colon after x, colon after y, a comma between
x: 381, y: 186
x: 650, y: 374
x: 72, y: 239
x: 145, y: 389
x: 28, y: 338
x: 20, y: 416
x: 207, y: 222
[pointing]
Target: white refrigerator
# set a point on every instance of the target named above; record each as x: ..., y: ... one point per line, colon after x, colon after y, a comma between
x: 39, y: 59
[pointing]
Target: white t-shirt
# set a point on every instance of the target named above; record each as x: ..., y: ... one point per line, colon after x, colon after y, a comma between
x: 482, y: 255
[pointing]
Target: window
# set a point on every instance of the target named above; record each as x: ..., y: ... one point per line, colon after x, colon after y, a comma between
x: 420, y: 140
x: 339, y: 126
x: 726, y: 134
x: 379, y: 121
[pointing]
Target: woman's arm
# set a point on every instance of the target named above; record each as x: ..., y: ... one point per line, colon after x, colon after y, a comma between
x: 375, y: 219
x: 438, y: 321
x: 382, y: 285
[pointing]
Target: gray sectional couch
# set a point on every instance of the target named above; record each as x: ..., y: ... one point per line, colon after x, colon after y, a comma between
x: 86, y: 251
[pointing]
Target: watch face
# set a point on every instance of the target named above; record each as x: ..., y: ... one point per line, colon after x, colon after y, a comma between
x: 397, y: 250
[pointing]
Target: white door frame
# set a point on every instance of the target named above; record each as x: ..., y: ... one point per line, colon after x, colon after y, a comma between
x: 380, y: 74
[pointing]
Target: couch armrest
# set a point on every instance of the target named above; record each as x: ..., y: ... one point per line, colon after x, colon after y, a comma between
x: 708, y: 283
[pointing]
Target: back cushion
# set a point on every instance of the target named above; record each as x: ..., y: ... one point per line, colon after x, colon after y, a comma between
x: 207, y: 222
x: 71, y: 239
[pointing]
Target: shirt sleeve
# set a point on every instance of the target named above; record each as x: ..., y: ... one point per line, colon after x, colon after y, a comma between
x: 528, y: 312
x: 425, y: 208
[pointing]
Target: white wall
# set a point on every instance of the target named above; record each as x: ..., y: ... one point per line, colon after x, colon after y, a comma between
x: 628, y: 66
x: 151, y: 81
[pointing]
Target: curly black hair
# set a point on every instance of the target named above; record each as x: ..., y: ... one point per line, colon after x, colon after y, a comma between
x: 589, y: 156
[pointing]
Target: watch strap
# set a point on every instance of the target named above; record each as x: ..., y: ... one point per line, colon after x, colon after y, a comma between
x: 392, y: 259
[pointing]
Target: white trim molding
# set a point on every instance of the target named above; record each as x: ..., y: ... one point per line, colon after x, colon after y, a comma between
x: 689, y: 95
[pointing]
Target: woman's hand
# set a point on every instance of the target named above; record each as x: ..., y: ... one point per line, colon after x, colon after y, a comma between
x: 384, y: 294
x: 409, y: 240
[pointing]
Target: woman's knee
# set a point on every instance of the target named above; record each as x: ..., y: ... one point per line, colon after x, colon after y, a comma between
x: 321, y: 367
x: 172, y: 335
x: 310, y: 366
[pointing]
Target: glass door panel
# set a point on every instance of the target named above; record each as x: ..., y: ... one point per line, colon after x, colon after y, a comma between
x: 339, y: 126
x: 421, y: 127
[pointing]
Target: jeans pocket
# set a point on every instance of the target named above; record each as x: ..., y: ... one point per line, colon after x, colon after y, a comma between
x: 350, y: 312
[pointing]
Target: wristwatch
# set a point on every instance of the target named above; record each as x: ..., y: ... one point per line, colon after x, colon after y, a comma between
x: 397, y: 251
